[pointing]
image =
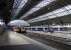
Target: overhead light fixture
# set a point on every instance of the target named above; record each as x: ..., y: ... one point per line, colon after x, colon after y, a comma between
x: 23, y: 2
x: 56, y: 13
x: 37, y: 7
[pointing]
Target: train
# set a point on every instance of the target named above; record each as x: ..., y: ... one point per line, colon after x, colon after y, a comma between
x: 56, y: 28
x: 51, y: 29
x: 19, y: 29
x: 18, y: 25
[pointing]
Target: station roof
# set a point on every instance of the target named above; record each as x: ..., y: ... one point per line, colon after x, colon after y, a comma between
x: 36, y: 11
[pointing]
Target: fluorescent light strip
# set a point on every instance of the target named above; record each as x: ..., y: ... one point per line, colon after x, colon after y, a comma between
x: 20, y: 6
x: 59, y: 12
x: 22, y: 3
x: 37, y: 7
x: 52, y: 16
x: 16, y: 3
x: 45, y: 15
x: 53, y: 12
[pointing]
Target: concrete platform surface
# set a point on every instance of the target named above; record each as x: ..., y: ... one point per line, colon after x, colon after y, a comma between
x: 15, y: 41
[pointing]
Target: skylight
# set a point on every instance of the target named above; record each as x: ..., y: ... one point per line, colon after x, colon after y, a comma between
x: 56, y: 13
x: 38, y: 6
x: 20, y: 5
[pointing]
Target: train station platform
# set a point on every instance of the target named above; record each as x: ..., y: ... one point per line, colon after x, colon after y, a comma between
x: 16, y: 41
x: 62, y: 37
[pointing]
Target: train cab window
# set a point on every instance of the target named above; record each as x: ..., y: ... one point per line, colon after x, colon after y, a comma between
x: 16, y: 29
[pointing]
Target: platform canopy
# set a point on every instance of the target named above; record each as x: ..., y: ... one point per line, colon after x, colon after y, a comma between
x: 19, y: 23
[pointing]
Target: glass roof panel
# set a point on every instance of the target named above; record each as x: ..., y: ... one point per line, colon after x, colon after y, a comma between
x: 38, y: 6
x: 16, y: 3
x: 59, y: 10
x: 64, y: 13
x: 22, y: 3
x: 68, y: 7
x: 58, y: 13
x: 69, y: 11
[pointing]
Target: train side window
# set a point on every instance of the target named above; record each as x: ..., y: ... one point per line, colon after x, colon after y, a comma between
x: 55, y: 29
x: 40, y: 29
x: 33, y: 29
x: 46, y: 28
